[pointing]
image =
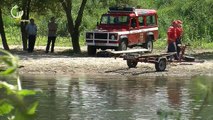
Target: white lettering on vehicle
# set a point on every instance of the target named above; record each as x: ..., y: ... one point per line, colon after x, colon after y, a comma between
x: 137, y: 31
x: 129, y: 32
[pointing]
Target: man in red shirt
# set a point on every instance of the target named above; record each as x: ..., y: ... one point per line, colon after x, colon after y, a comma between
x: 172, y: 37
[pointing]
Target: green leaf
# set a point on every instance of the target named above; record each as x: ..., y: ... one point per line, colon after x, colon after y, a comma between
x: 32, y: 109
x: 5, y: 108
x: 20, y: 116
x: 8, y: 71
x: 7, y: 60
x: 6, y: 52
x: 29, y: 114
x: 26, y: 92
x: 7, y: 86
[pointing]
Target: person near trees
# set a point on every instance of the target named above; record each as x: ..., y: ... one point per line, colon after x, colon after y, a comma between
x: 179, y: 35
x: 172, y: 37
x: 31, y: 29
x: 52, y: 29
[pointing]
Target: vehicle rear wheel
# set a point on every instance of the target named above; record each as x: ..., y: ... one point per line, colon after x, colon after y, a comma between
x: 160, y: 65
x: 122, y: 46
x: 91, y: 50
x: 131, y: 63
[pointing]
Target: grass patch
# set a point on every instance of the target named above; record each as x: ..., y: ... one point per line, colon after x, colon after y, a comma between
x: 160, y: 44
x: 42, y: 41
x: 66, y: 42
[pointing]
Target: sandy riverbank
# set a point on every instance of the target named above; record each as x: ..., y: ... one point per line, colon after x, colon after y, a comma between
x: 63, y: 62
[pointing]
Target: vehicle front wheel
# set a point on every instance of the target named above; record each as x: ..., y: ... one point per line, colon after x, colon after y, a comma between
x: 149, y: 45
x: 122, y: 46
x: 91, y: 50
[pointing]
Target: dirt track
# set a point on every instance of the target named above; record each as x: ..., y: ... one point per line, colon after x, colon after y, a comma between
x: 63, y: 62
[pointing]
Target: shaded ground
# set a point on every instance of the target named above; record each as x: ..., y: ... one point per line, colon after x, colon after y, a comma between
x: 63, y: 61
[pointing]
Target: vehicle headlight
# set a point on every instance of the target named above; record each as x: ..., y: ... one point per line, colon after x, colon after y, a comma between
x: 113, y: 37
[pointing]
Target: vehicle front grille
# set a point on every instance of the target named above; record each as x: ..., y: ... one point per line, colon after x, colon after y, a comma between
x: 100, y: 41
x: 100, y: 35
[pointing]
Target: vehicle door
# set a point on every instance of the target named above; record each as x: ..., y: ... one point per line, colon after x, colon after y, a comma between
x: 134, y: 32
x: 141, y: 21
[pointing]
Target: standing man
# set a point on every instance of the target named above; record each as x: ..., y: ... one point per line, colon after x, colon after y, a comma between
x: 52, y: 28
x: 171, y: 38
x: 31, y: 29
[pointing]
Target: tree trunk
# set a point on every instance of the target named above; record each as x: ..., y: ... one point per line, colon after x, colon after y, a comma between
x: 26, y: 9
x: 74, y: 29
x: 2, y: 32
x: 75, y: 41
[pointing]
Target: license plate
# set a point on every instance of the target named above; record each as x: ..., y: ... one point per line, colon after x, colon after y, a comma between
x: 100, y: 44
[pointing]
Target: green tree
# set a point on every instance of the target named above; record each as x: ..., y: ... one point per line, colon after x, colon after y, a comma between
x: 196, y: 17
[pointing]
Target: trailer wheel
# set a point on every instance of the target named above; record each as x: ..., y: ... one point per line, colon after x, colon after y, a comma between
x: 131, y: 63
x: 160, y: 65
x: 91, y: 50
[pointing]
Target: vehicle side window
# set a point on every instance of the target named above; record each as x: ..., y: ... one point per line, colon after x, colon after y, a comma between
x: 150, y: 20
x: 104, y: 20
x: 124, y: 20
x: 133, y: 23
x: 141, y: 20
x: 116, y: 20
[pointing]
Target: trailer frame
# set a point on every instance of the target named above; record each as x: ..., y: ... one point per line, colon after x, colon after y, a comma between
x: 134, y: 56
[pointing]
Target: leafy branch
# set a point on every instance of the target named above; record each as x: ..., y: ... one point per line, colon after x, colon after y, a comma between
x: 13, y: 103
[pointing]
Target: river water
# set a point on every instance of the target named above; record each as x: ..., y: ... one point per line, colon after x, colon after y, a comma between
x: 124, y: 98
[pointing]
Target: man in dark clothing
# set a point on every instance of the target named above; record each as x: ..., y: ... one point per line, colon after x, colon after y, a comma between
x: 31, y: 29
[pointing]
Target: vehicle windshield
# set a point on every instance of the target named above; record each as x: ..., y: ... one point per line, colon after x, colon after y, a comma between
x: 115, y: 20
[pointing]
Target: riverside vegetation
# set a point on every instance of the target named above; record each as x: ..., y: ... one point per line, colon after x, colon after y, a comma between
x: 14, y: 104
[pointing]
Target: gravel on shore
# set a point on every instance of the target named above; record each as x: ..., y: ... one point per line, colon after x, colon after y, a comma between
x: 64, y: 62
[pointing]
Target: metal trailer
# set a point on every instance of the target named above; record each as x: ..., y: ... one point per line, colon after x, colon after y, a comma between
x: 134, y: 56
x: 159, y: 59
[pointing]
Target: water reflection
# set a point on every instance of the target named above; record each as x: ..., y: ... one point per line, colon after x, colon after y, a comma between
x: 111, y: 98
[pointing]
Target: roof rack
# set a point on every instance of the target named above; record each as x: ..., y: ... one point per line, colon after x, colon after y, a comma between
x: 131, y: 10
x: 121, y: 9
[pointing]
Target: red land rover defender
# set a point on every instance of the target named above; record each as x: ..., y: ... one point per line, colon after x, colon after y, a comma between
x: 124, y: 27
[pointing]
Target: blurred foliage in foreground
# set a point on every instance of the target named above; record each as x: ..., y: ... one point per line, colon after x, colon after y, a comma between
x: 13, y: 102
